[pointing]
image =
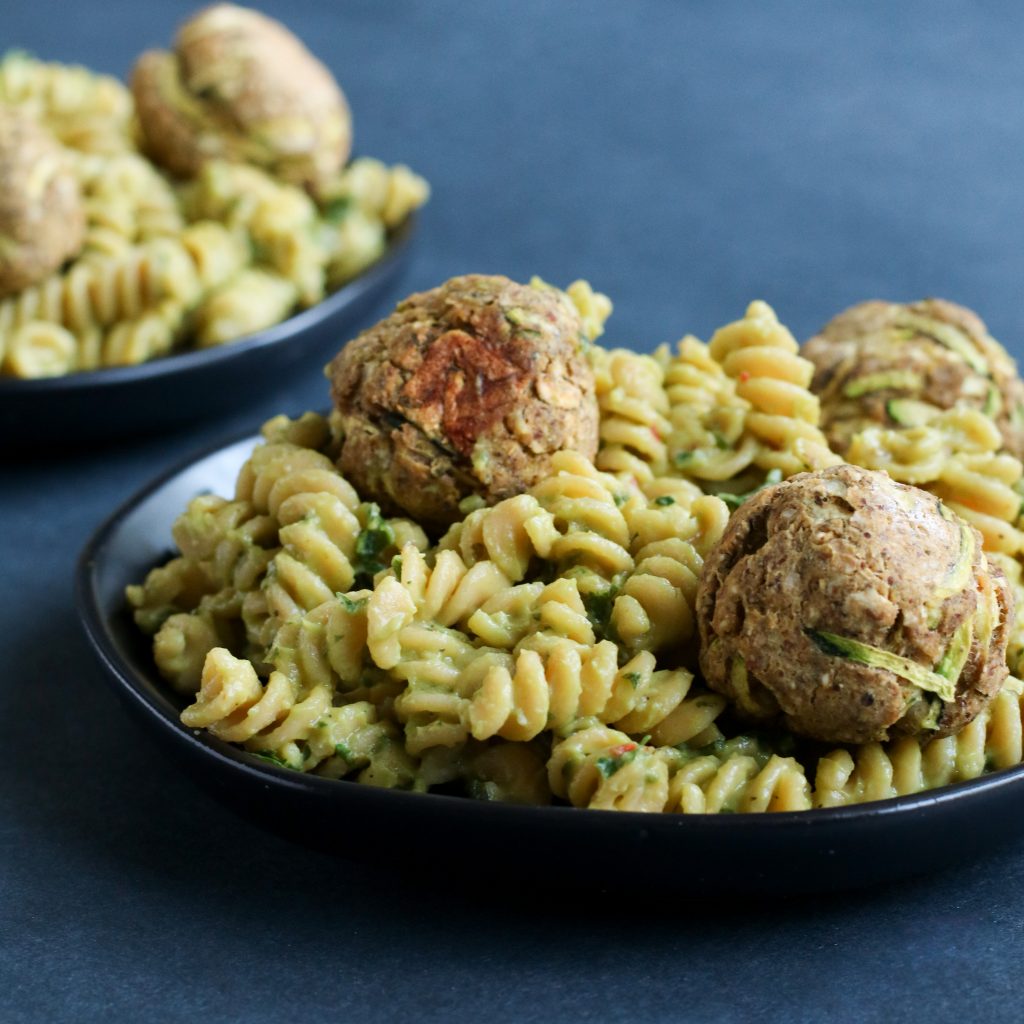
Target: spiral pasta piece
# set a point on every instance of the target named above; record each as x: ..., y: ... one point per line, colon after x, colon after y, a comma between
x: 555, y: 682
x: 327, y: 537
x: 514, y: 773
x: 739, y: 783
x: 633, y: 408
x: 135, y: 341
x: 654, y: 608
x: 957, y: 454
x: 573, y: 518
x: 388, y: 194
x: 706, y: 440
x: 593, y: 307
x: 604, y: 769
x: 877, y: 771
x: 761, y: 356
x: 280, y: 221
x: 39, y: 349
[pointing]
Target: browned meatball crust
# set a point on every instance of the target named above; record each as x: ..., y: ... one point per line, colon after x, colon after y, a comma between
x: 467, y: 389
x: 846, y: 555
x: 42, y: 218
x: 240, y: 86
x: 932, y: 351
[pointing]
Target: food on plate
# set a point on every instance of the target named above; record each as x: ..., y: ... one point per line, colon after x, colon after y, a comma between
x: 42, y: 218
x: 466, y: 390
x: 112, y: 261
x: 240, y: 86
x: 898, y: 365
x: 550, y: 642
x: 851, y: 609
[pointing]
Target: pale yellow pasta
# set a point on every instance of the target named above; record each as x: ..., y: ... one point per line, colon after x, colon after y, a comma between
x: 761, y: 356
x: 507, y: 773
x: 103, y: 292
x: 177, y: 586
x: 706, y: 439
x: 85, y: 110
x: 1015, y: 575
x: 39, y: 349
x: 235, y: 249
x: 593, y: 307
x: 957, y: 454
x: 387, y: 194
x: 878, y: 771
x: 152, y: 334
x: 251, y: 301
x: 183, y: 641
x: 356, y: 242
x: 217, y: 253
x: 280, y: 221
x: 633, y: 408
x: 604, y: 769
x: 739, y: 783
x: 542, y: 648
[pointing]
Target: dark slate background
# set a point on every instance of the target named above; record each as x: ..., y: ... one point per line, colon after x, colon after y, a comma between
x: 686, y: 158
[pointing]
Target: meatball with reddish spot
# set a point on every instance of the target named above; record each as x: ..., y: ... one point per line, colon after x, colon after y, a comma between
x: 467, y: 389
x: 851, y: 608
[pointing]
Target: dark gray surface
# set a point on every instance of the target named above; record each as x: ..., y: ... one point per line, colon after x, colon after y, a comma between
x: 686, y: 159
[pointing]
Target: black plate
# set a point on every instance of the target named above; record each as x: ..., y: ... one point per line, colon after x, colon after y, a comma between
x: 700, y: 854
x: 190, y: 386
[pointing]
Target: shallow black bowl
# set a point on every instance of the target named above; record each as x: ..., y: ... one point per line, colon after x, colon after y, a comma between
x: 194, y: 385
x: 699, y: 854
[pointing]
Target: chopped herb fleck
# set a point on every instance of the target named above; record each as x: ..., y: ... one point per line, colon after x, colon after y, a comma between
x: 735, y: 500
x: 618, y: 758
x: 269, y: 755
x: 337, y: 209
x: 343, y: 750
x: 371, y: 543
x: 352, y: 607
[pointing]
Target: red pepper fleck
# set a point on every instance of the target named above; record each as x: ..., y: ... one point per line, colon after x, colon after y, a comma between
x: 744, y: 376
x: 622, y: 748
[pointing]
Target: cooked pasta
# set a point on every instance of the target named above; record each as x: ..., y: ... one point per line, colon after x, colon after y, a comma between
x: 544, y: 647
x: 386, y: 194
x: 165, y: 265
x: 706, y: 440
x: 877, y: 771
x: 84, y: 110
x: 250, y: 301
x: 760, y: 355
x: 633, y: 405
x: 39, y: 349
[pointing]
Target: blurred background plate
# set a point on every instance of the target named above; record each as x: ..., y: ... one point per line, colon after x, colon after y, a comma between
x: 715, y: 855
x: 189, y: 386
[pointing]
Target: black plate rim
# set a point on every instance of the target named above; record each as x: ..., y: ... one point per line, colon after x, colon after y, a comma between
x: 112, y: 377
x: 157, y: 704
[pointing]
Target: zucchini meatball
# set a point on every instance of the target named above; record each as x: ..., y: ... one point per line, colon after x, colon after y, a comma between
x: 873, y: 358
x: 239, y: 86
x: 42, y: 218
x: 849, y: 608
x: 467, y: 389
